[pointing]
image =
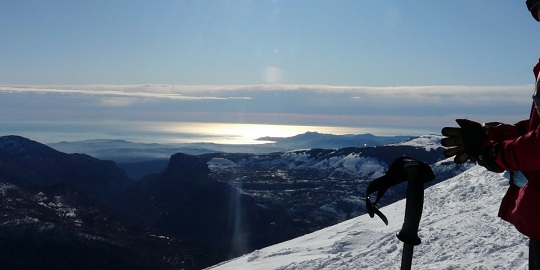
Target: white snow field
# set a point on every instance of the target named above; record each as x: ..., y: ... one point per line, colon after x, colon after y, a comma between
x: 459, y: 230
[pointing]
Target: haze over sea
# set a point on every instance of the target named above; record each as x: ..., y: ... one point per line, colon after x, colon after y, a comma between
x: 181, y: 132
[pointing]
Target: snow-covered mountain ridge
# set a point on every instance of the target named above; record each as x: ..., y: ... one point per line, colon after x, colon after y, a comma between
x: 351, y: 160
x: 459, y: 230
x: 428, y: 142
x: 352, y: 163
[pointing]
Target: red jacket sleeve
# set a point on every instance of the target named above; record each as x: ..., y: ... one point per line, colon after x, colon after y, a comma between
x: 522, y: 153
x: 522, y: 126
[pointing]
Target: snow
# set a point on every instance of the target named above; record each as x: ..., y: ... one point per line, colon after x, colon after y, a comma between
x: 354, y: 164
x: 297, y: 159
x: 221, y: 163
x: 5, y: 188
x: 459, y: 230
x: 428, y: 142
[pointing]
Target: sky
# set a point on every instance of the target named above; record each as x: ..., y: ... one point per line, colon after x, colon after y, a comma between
x: 119, y: 68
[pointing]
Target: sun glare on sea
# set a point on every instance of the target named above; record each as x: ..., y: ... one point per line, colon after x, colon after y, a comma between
x: 233, y: 133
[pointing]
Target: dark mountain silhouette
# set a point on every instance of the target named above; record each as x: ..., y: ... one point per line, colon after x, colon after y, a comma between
x: 183, y: 201
x: 329, y: 141
x: 82, y: 208
x: 30, y: 164
x: 56, y: 227
x: 123, y: 151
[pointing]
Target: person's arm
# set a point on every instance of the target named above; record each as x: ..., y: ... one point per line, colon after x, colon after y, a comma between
x: 522, y: 126
x: 497, y: 132
x: 521, y: 153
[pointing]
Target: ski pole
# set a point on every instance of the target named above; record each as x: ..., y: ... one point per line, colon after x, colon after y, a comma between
x: 413, y: 213
x: 416, y: 173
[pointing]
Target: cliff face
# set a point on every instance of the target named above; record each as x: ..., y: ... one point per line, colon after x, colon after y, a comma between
x: 183, y: 201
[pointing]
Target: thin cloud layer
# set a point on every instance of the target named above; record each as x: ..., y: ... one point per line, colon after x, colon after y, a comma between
x: 460, y: 94
x: 110, y: 90
x: 411, y: 109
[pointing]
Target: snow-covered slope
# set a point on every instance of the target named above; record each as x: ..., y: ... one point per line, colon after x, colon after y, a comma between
x: 459, y: 230
x: 427, y: 142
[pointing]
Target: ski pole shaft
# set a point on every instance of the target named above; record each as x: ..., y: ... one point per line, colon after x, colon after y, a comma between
x: 413, y: 213
x: 413, y: 207
x: 406, y: 258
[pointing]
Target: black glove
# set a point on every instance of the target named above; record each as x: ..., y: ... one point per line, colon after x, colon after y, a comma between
x: 487, y: 158
x: 467, y: 142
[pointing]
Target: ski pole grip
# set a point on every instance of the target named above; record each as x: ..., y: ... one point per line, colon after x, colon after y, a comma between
x: 413, y: 205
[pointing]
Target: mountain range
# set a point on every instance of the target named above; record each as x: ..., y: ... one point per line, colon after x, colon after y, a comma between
x: 195, y: 212
x: 125, y: 151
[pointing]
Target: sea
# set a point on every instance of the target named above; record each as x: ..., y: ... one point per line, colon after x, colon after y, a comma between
x: 180, y: 132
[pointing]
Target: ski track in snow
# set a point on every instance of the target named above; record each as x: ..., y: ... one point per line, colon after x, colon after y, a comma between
x: 459, y: 230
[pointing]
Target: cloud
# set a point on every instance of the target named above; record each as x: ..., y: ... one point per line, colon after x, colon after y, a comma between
x: 118, y: 101
x: 421, y: 107
x: 305, y: 98
x: 116, y: 91
x: 171, y: 90
x: 400, y: 95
